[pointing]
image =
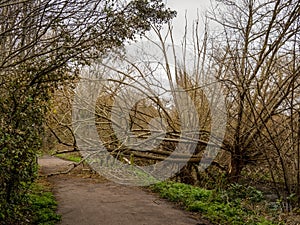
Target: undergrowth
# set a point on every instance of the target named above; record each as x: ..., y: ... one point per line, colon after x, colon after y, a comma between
x: 42, y: 205
x: 38, y: 207
x: 235, y: 206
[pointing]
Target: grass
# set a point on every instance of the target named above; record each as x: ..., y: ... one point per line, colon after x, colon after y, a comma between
x: 219, y: 207
x: 72, y: 157
x: 42, y: 204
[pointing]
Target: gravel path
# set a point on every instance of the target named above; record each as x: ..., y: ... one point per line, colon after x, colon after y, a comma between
x: 84, y: 200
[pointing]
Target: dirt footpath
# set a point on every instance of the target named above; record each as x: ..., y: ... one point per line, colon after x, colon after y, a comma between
x: 94, y: 201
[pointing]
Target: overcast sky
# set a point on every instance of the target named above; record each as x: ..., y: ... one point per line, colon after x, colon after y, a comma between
x: 188, y: 7
x: 191, y: 9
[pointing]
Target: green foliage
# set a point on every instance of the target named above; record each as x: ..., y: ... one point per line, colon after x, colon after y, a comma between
x: 181, y: 192
x: 222, y: 207
x: 43, y: 207
x: 37, y: 208
x: 237, y: 192
x: 20, y: 131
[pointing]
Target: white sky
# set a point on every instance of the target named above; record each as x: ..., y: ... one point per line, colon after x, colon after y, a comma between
x: 190, y: 5
x: 190, y: 8
x: 186, y: 9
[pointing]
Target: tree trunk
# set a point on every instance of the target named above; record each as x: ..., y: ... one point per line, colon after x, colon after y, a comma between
x: 235, y: 169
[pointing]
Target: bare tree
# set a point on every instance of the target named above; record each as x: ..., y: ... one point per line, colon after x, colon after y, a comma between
x: 257, y: 60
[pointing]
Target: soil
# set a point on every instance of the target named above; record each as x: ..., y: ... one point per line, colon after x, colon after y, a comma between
x: 88, y: 199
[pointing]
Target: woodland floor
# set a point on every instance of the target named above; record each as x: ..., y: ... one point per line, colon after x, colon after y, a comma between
x: 88, y: 199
